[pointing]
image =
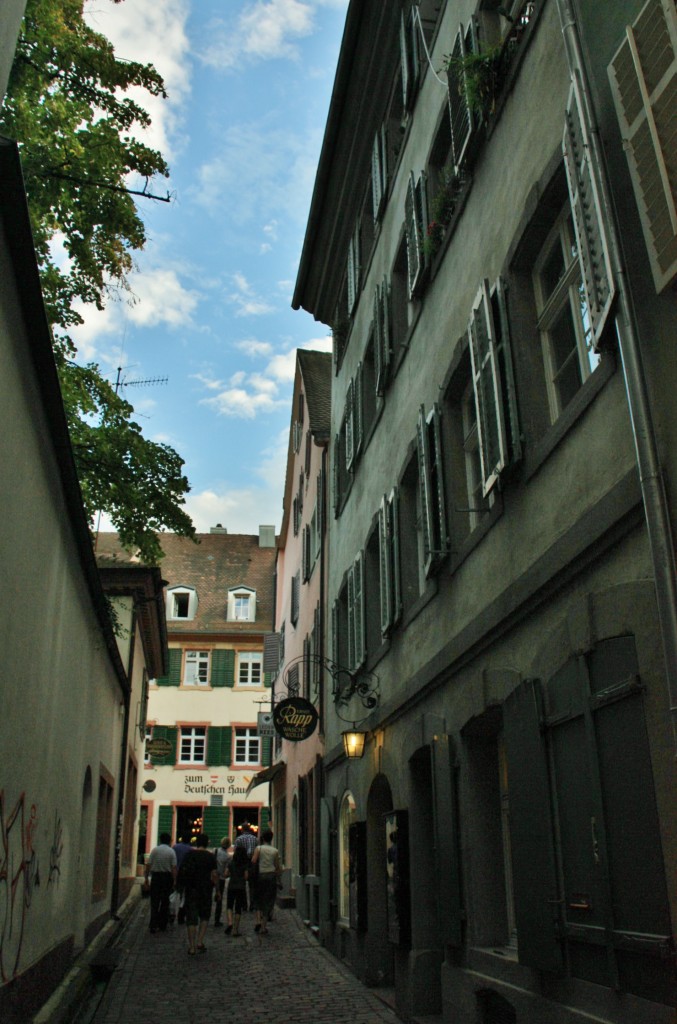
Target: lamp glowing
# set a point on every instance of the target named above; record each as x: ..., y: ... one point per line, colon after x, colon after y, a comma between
x: 353, y: 742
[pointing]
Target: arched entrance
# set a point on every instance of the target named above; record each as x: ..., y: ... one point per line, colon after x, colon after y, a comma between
x: 378, y: 951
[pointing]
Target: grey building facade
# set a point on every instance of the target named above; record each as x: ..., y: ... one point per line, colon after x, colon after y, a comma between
x: 493, y: 240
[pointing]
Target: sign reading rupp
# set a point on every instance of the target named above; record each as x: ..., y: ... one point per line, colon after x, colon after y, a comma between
x: 295, y: 719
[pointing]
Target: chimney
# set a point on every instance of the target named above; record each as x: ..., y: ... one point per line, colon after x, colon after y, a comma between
x: 266, y: 536
x: 218, y: 529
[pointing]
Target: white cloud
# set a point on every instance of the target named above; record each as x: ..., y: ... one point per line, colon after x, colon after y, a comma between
x: 161, y: 299
x: 252, y: 347
x: 152, y: 33
x: 264, y: 30
x: 245, y: 300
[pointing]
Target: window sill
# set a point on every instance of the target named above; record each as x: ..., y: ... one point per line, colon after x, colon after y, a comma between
x: 477, y: 535
x: 570, y: 416
x: 422, y: 600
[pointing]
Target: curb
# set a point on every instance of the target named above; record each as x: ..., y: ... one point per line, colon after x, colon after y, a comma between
x: 69, y: 994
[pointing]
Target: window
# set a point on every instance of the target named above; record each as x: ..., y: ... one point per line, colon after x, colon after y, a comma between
x: 250, y: 671
x: 346, y: 818
x: 411, y: 536
x: 356, y: 620
x: 477, y: 503
x: 416, y: 226
x: 431, y: 485
x: 241, y: 605
x: 104, y: 826
x: 463, y: 118
x: 295, y: 597
x: 643, y: 75
x: 409, y: 56
x: 563, y: 319
x: 247, y: 746
x: 389, y: 561
x: 493, y: 381
x: 382, y: 336
x: 353, y: 270
x: 193, y: 745
x: 196, y: 668
x: 181, y: 603
x: 149, y: 736
x: 379, y: 171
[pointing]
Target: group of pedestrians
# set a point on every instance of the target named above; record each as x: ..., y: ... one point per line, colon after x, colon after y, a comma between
x: 194, y: 876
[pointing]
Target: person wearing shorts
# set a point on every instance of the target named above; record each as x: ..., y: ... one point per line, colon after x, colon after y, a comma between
x: 198, y: 878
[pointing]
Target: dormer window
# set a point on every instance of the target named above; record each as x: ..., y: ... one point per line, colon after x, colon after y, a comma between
x: 241, y: 604
x: 181, y: 603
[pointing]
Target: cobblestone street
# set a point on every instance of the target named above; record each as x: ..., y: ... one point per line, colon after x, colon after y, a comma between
x: 284, y: 976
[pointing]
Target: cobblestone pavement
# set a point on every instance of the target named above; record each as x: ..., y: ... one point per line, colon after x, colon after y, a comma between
x: 285, y: 977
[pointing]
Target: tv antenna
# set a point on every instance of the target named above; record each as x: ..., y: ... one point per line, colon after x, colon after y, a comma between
x: 146, y: 382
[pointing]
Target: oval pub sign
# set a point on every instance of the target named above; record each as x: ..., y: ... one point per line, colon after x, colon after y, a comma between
x: 295, y: 719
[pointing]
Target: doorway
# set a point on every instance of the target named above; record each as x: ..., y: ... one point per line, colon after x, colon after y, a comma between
x: 189, y: 821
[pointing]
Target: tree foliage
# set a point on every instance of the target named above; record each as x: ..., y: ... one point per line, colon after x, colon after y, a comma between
x: 68, y: 108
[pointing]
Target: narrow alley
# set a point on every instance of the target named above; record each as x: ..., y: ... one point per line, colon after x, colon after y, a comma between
x: 283, y: 976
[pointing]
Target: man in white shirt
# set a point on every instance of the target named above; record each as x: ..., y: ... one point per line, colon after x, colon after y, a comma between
x: 161, y: 868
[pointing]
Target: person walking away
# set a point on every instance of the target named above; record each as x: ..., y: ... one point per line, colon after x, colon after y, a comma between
x: 198, y: 878
x: 236, y: 900
x: 181, y: 848
x: 249, y: 840
x: 224, y: 855
x: 267, y: 858
x: 161, y: 868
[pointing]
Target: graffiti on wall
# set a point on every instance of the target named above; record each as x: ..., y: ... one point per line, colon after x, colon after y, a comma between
x: 19, y: 877
x: 55, y: 852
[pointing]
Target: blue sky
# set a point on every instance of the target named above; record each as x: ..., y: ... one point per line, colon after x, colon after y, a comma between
x: 249, y: 85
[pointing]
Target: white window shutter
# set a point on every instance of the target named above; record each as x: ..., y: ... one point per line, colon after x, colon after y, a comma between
x: 424, y: 489
x: 351, y: 619
x: 379, y: 382
x: 385, y: 564
x: 643, y: 75
x: 414, y: 261
x: 490, y: 419
x: 358, y: 419
x: 350, y: 437
x: 421, y: 206
x: 437, y: 483
x: 376, y: 176
x: 460, y: 114
x: 409, y: 56
x: 394, y: 527
x: 385, y: 324
x: 507, y: 375
x: 335, y: 632
x: 321, y: 503
x: 584, y: 194
x: 336, y: 475
x: 359, y: 610
x: 353, y: 269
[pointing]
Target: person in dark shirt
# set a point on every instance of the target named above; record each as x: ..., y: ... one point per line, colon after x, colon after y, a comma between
x: 198, y: 878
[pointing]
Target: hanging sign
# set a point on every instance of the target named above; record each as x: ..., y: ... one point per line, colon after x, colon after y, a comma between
x: 159, y: 747
x: 264, y: 723
x: 295, y: 719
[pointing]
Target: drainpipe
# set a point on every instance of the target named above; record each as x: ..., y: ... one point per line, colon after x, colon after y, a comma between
x: 115, y: 888
x: 658, y: 525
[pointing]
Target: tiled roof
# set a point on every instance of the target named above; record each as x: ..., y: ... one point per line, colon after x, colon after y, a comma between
x: 316, y: 370
x: 217, y: 563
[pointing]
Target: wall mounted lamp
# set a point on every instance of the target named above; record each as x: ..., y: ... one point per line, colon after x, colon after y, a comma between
x: 353, y: 742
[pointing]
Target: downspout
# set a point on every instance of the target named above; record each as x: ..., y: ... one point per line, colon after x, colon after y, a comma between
x: 115, y: 888
x: 650, y: 474
x: 323, y: 571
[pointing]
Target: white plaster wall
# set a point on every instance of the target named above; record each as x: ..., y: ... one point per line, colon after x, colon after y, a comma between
x: 61, y: 702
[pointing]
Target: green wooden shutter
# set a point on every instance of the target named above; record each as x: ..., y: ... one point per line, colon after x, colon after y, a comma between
x: 165, y: 732
x: 376, y: 176
x: 586, y: 207
x: 218, y: 744
x: 643, y: 75
x: 165, y: 820
x: 358, y: 418
x: 173, y: 677
x: 216, y: 823
x: 460, y: 113
x: 394, y: 518
x: 437, y: 490
x: 266, y: 750
x: 350, y: 424
x: 265, y: 818
x: 385, y: 567
x: 531, y: 830
x: 446, y: 839
x: 223, y: 668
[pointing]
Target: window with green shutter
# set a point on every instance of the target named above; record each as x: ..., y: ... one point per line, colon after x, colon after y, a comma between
x: 169, y: 733
x: 165, y: 820
x: 173, y: 677
x: 223, y: 668
x: 219, y: 744
x: 266, y: 750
